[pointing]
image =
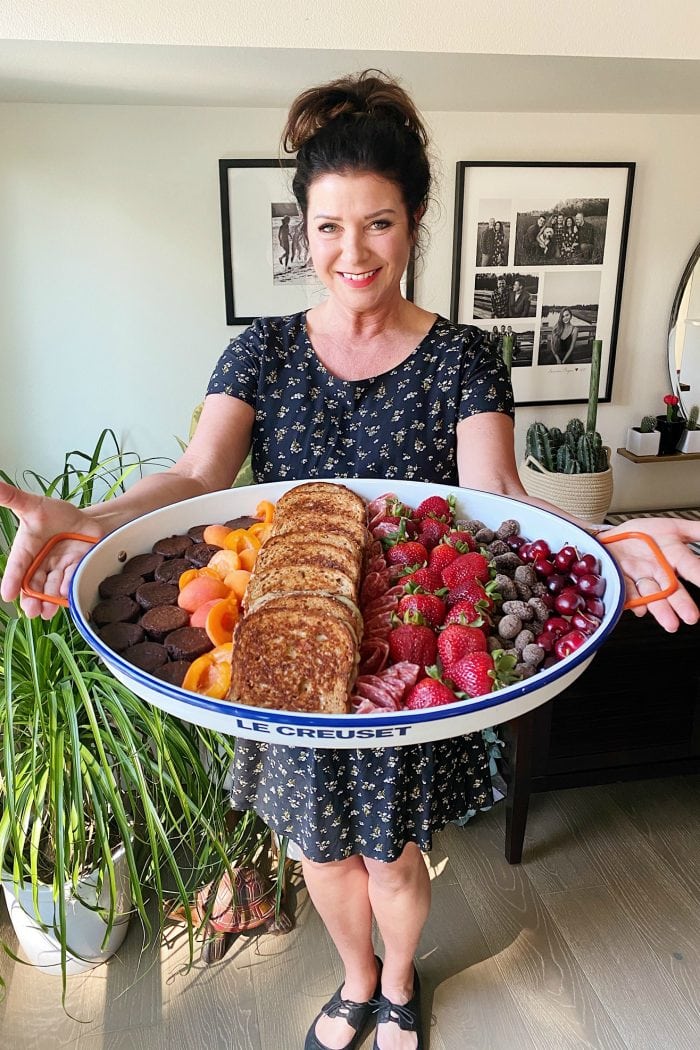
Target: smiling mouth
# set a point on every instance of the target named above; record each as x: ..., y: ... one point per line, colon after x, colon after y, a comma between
x: 359, y: 276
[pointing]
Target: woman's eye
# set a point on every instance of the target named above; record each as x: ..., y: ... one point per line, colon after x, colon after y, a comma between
x: 381, y: 224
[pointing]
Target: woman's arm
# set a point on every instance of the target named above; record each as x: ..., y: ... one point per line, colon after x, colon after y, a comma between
x: 211, y: 462
x: 486, y: 461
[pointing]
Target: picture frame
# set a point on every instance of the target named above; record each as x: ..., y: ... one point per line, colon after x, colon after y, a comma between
x: 267, y: 268
x: 539, y: 253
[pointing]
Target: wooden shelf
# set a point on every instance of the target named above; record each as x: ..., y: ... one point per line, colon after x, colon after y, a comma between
x: 675, y: 458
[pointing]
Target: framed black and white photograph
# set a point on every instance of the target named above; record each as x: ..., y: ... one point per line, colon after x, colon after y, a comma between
x: 541, y: 246
x: 267, y: 267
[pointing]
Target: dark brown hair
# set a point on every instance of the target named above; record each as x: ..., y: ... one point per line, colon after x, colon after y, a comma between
x: 363, y: 123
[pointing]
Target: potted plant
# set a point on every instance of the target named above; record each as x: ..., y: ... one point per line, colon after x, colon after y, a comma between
x: 644, y: 439
x: 690, y: 438
x: 101, y: 794
x: 670, y: 426
x: 571, y: 468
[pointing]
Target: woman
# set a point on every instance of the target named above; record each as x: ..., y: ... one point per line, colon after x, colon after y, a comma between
x: 302, y: 390
x: 545, y: 240
x: 569, y: 240
x: 499, y: 249
x: 563, y: 337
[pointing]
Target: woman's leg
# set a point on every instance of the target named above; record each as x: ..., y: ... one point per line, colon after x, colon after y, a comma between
x: 338, y: 890
x: 399, y: 893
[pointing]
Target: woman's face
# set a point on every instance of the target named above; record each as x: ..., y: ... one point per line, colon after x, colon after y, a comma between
x: 499, y: 227
x: 566, y: 316
x: 569, y: 222
x: 358, y: 238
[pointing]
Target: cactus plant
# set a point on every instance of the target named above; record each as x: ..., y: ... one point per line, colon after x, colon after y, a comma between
x: 648, y: 424
x: 692, y: 420
x: 571, y: 452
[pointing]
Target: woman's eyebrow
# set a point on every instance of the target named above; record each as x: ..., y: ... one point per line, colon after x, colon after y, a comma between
x: 372, y: 215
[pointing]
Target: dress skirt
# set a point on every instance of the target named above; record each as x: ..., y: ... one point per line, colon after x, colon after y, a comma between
x: 335, y: 803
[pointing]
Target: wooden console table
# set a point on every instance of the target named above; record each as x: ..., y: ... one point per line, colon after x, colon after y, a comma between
x: 634, y: 713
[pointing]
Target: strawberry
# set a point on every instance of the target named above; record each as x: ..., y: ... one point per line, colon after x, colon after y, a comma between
x: 432, y: 531
x: 474, y: 674
x: 386, y: 527
x: 435, y: 507
x: 466, y: 567
x: 461, y: 539
x: 465, y: 612
x: 457, y: 641
x: 442, y: 556
x: 428, y: 606
x: 410, y: 552
x: 429, y: 693
x: 426, y: 579
x: 413, y: 642
x: 474, y: 590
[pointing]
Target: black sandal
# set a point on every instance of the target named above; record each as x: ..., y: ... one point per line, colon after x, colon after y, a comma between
x: 357, y: 1015
x: 408, y: 1016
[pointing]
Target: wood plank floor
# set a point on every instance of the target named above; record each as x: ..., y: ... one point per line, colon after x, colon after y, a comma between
x: 593, y: 942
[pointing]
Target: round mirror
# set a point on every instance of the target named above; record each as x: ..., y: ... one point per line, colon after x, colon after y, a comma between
x: 684, y: 337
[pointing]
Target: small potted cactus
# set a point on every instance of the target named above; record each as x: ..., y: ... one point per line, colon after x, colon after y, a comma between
x: 570, y: 468
x: 644, y: 439
x: 690, y: 438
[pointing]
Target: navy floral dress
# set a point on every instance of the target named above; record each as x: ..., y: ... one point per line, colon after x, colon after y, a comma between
x: 309, y: 424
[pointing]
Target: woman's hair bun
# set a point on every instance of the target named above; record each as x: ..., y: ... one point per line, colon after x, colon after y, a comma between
x: 367, y: 94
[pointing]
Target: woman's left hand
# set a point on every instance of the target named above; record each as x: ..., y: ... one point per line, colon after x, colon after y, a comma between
x: 644, y: 575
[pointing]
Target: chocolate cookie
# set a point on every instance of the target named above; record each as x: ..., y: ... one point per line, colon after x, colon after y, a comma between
x: 173, y: 672
x: 121, y: 583
x: 172, y: 546
x: 151, y: 594
x: 200, y: 554
x: 144, y: 564
x: 171, y: 570
x: 196, y: 533
x: 243, y: 522
x: 146, y: 655
x: 162, y: 619
x: 119, y: 636
x: 188, y: 643
x: 116, y: 610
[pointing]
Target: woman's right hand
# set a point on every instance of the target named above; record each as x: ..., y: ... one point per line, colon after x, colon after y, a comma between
x: 41, y: 518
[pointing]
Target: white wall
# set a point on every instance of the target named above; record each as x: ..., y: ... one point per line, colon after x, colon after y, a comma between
x: 111, y: 288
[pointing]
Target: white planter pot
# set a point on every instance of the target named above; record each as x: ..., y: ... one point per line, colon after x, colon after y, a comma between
x: 642, y: 444
x: 85, y: 927
x: 689, y: 442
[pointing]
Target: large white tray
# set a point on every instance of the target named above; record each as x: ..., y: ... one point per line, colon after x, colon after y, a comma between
x: 346, y: 731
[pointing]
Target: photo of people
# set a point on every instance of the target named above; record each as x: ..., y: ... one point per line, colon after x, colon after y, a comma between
x: 493, y: 236
x: 523, y: 342
x: 505, y: 295
x: 571, y: 233
x: 290, y: 249
x: 569, y: 317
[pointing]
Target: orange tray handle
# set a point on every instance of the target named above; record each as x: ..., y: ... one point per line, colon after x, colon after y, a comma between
x: 54, y: 599
x: 646, y: 599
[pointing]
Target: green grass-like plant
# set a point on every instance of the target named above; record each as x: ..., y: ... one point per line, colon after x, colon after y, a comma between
x: 88, y: 767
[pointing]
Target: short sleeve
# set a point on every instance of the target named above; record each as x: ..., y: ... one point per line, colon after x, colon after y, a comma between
x: 485, y: 385
x: 237, y: 372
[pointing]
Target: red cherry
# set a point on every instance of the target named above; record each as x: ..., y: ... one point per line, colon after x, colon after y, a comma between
x: 595, y: 606
x: 591, y: 585
x: 546, y: 641
x: 569, y: 602
x: 556, y: 626
x: 565, y: 558
x: 543, y: 567
x: 525, y: 552
x: 515, y: 542
x: 540, y: 548
x: 586, y: 563
x: 586, y: 622
x: 569, y: 643
x: 556, y: 583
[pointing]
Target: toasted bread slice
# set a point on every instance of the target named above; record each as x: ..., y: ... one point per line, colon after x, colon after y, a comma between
x: 347, y: 532
x: 300, y: 548
x: 314, y: 496
x: 281, y: 579
x: 302, y: 601
x: 304, y: 662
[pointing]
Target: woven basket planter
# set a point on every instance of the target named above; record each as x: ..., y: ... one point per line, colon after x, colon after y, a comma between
x: 588, y: 496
